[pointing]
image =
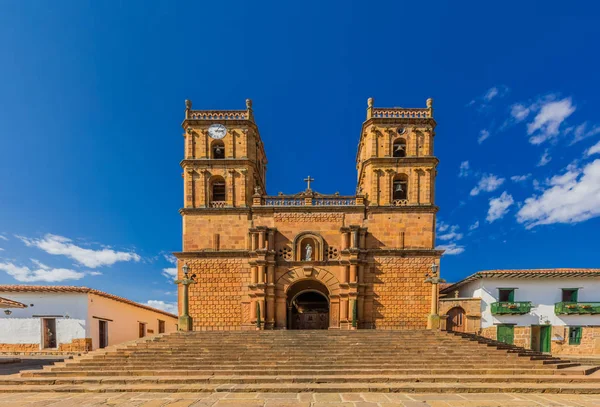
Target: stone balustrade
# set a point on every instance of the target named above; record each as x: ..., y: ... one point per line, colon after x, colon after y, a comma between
x: 382, y: 113
x: 218, y: 115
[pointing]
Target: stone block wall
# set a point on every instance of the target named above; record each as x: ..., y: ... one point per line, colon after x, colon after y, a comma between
x: 19, y: 347
x: 215, y: 300
x: 401, y: 298
x: 590, y: 341
x: 76, y: 345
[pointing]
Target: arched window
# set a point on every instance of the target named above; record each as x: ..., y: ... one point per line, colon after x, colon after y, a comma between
x: 218, y: 150
x: 217, y: 192
x: 400, y: 190
x: 399, y: 149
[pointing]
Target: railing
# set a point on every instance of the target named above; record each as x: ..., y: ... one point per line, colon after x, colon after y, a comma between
x: 401, y: 113
x: 566, y: 308
x: 288, y: 201
x: 218, y: 204
x: 219, y: 115
x: 502, y: 308
x: 334, y: 201
x: 270, y: 201
x: 400, y: 202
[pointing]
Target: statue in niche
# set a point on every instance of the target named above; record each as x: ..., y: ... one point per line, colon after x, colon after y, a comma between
x: 308, y: 254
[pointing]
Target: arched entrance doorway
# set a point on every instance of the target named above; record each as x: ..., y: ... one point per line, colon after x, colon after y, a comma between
x: 456, y: 320
x: 308, y: 305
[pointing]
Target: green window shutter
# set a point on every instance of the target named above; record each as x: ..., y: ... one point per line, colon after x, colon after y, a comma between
x: 511, y: 296
x: 574, y: 295
x: 575, y: 335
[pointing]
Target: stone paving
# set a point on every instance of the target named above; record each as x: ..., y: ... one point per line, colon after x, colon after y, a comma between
x: 295, y: 400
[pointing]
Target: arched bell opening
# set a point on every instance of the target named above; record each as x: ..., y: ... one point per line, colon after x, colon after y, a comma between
x: 308, y: 305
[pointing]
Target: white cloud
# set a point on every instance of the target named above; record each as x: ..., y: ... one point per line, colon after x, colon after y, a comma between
x: 483, y: 135
x: 490, y: 94
x: 165, y: 306
x: 595, y: 149
x: 442, y: 226
x: 582, y: 132
x: 451, y: 249
x: 499, y: 207
x: 170, y: 273
x: 474, y: 225
x: 520, y: 178
x: 3, y: 237
x: 487, y: 183
x: 546, y: 123
x: 59, y: 245
x: 572, y: 197
x: 452, y: 235
x: 1, y: 249
x: 519, y: 112
x: 170, y: 258
x: 544, y: 159
x: 463, y: 170
x: 42, y: 273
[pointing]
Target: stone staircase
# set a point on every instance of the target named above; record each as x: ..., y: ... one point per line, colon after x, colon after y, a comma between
x: 310, y: 361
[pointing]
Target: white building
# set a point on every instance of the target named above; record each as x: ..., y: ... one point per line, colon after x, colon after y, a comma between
x: 73, y: 319
x: 548, y: 310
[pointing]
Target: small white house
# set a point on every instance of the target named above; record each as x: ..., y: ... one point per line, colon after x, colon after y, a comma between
x: 73, y: 319
x: 548, y: 310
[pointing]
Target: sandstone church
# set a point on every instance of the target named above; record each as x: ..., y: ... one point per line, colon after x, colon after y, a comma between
x: 310, y: 260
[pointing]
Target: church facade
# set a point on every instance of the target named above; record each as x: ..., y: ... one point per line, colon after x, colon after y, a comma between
x: 309, y: 260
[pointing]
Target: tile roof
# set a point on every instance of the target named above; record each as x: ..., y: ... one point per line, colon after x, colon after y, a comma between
x: 74, y: 289
x: 6, y: 303
x: 524, y: 273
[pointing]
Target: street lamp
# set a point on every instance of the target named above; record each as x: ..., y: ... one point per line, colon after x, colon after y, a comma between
x: 433, y: 321
x: 185, y: 321
x: 7, y: 311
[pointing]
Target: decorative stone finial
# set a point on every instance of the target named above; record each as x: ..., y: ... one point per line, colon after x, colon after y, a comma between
x: 430, y: 103
x: 188, y: 104
x: 248, y: 104
x: 370, y: 102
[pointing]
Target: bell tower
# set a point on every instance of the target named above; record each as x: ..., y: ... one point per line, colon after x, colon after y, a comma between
x: 395, y: 161
x: 224, y: 159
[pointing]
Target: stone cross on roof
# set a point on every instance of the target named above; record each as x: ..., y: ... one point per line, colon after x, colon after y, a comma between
x: 308, y: 180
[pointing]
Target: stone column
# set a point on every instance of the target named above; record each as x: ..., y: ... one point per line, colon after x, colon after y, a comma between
x: 252, y: 241
x: 206, y: 188
x: 189, y: 187
x: 243, y: 188
x: 232, y: 149
x: 346, y: 274
x: 362, y: 239
x: 344, y: 309
x: 388, y: 145
x: 253, y: 274
x: 352, y: 273
x: 355, y: 239
x: 229, y: 185
x: 261, y: 240
x: 344, y: 240
x: 270, y: 239
x: 190, y: 143
x: 374, y: 135
x: 261, y: 274
x: 361, y: 273
x: 271, y: 274
x: 204, y: 145
x: 253, y: 310
x: 375, y: 188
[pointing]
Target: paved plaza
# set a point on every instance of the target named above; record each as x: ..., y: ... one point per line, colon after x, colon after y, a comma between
x: 294, y: 399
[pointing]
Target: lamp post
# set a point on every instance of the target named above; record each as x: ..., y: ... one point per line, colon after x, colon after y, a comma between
x: 185, y: 321
x: 433, y: 320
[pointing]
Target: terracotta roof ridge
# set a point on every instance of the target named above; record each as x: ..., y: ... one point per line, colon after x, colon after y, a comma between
x: 77, y: 289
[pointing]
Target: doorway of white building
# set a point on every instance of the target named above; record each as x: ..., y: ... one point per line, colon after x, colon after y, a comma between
x: 49, y: 333
x: 540, y: 337
x: 103, y: 334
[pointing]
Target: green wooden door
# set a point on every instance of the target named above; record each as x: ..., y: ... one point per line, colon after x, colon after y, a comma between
x: 545, y: 338
x: 506, y: 334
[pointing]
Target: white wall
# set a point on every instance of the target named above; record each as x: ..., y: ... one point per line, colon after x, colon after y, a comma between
x: 123, y: 320
x: 543, y: 294
x: 22, y: 327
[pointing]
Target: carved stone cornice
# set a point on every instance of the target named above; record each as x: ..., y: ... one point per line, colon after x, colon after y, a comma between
x: 404, y: 252
x: 204, y: 210
x: 209, y: 253
x: 423, y: 208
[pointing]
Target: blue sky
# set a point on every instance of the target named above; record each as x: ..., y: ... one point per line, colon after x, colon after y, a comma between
x: 92, y: 97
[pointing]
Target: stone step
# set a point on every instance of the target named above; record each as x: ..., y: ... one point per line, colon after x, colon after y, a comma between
x: 362, y: 387
x: 312, y: 378
x: 261, y: 371
x: 182, y: 372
